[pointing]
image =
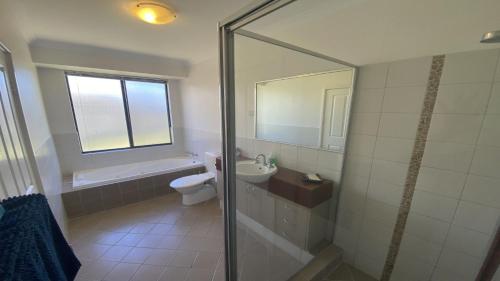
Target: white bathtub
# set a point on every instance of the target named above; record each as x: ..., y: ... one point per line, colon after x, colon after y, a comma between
x: 121, y: 173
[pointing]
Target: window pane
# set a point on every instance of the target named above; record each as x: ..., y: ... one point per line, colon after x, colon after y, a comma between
x: 148, y: 108
x: 99, y: 112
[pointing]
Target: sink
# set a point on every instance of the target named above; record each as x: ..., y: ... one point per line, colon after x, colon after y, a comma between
x: 250, y: 171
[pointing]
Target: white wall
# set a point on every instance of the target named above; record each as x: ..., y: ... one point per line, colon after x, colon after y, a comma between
x: 200, y: 103
x: 33, y: 110
x: 62, y: 125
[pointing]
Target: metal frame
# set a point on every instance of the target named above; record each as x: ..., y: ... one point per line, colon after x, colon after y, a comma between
x: 20, y: 120
x: 227, y: 29
x: 122, y: 80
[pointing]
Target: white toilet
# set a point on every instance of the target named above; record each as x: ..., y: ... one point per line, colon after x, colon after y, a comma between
x: 198, y: 188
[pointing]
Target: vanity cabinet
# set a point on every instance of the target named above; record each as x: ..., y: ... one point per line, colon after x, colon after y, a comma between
x: 304, y: 227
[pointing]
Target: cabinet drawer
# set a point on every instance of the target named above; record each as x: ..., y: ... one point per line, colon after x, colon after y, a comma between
x: 293, y: 233
x: 290, y: 213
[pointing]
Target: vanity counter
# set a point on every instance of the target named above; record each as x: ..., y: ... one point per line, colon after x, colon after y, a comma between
x: 290, y: 184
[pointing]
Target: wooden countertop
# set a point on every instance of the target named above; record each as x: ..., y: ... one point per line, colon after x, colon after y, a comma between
x: 290, y: 184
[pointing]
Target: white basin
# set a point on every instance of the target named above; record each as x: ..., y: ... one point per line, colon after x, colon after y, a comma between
x: 250, y: 171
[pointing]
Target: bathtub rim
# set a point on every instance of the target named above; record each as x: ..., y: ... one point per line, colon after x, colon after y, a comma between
x: 71, y: 187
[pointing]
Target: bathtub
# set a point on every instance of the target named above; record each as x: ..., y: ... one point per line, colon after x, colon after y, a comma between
x: 122, y: 173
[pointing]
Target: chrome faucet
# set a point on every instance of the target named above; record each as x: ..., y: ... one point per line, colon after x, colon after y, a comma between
x: 263, y: 157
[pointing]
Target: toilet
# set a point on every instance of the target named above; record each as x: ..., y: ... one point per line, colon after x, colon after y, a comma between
x: 198, y: 188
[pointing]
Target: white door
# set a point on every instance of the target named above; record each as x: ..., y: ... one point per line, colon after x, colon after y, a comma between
x: 15, y: 176
x: 335, y: 113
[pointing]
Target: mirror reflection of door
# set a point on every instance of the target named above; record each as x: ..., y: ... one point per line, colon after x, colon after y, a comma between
x: 335, y: 113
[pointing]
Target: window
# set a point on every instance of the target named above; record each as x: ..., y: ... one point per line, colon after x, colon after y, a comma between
x: 117, y: 113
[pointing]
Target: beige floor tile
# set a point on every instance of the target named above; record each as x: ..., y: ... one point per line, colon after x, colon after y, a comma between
x: 142, y: 228
x: 148, y: 273
x: 122, y: 272
x: 116, y: 253
x: 207, y: 260
x: 109, y: 238
x: 196, y: 274
x: 174, y: 274
x: 96, y: 271
x: 161, y: 228
x: 131, y: 239
x: 160, y: 257
x: 183, y: 259
x: 91, y: 250
x: 171, y: 242
x: 179, y: 230
x: 151, y: 241
x: 138, y: 255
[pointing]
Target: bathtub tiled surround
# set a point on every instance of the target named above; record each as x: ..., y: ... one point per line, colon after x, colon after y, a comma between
x: 95, y: 199
x: 454, y: 210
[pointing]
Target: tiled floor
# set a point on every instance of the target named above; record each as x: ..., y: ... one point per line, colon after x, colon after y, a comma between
x: 346, y: 272
x: 153, y: 240
x: 160, y: 239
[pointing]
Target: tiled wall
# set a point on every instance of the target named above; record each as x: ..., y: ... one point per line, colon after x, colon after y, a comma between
x: 385, y: 114
x: 91, y: 200
x: 455, y: 208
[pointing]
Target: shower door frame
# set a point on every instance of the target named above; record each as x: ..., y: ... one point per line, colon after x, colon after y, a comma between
x: 227, y: 29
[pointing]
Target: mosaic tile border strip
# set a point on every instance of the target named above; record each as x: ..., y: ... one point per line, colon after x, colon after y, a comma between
x: 415, y: 163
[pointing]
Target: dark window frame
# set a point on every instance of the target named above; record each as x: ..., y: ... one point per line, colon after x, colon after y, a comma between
x: 128, y: 121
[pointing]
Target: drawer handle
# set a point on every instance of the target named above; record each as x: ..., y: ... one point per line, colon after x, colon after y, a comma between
x: 285, y: 221
x: 287, y: 206
x: 284, y: 233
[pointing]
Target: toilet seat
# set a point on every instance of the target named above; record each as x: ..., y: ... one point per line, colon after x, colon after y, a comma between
x: 184, y: 184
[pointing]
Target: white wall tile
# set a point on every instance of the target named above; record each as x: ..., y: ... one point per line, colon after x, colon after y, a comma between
x: 381, y: 212
x: 449, y: 156
x: 330, y: 160
x: 372, y: 76
x: 469, y: 67
x: 413, y: 72
x: 361, y: 145
x: 444, y: 182
x: 409, y: 268
x: 460, y: 265
x: 364, y: 123
x: 388, y: 171
x: 404, y: 99
x: 267, y: 148
x: 370, y: 266
x: 421, y: 249
x: 482, y: 190
x: 375, y: 239
x: 287, y: 156
x: 398, y: 150
x: 478, y: 217
x: 352, y: 199
x: 468, y: 241
x: 307, y: 159
x: 490, y: 132
x: 367, y: 100
x: 462, y: 98
x: 398, y: 125
x: 358, y: 166
x: 433, y: 205
x: 455, y: 128
x: 494, y: 104
x: 485, y: 162
x: 385, y: 192
x: 427, y: 228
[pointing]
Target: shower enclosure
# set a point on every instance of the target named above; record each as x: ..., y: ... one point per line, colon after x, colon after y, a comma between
x: 397, y: 116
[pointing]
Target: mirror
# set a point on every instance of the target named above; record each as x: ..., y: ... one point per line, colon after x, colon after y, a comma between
x: 308, y: 110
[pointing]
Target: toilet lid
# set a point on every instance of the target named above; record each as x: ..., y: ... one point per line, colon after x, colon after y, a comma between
x: 192, y: 180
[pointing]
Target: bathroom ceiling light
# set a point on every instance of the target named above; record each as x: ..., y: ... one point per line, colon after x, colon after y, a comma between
x: 491, y: 37
x: 155, y: 13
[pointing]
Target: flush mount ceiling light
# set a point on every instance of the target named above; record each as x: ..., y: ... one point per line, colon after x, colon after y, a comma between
x: 155, y: 13
x: 491, y: 37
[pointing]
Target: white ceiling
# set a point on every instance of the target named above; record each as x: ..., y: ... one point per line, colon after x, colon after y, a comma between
x: 356, y: 31
x: 371, y: 31
x: 107, y: 23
